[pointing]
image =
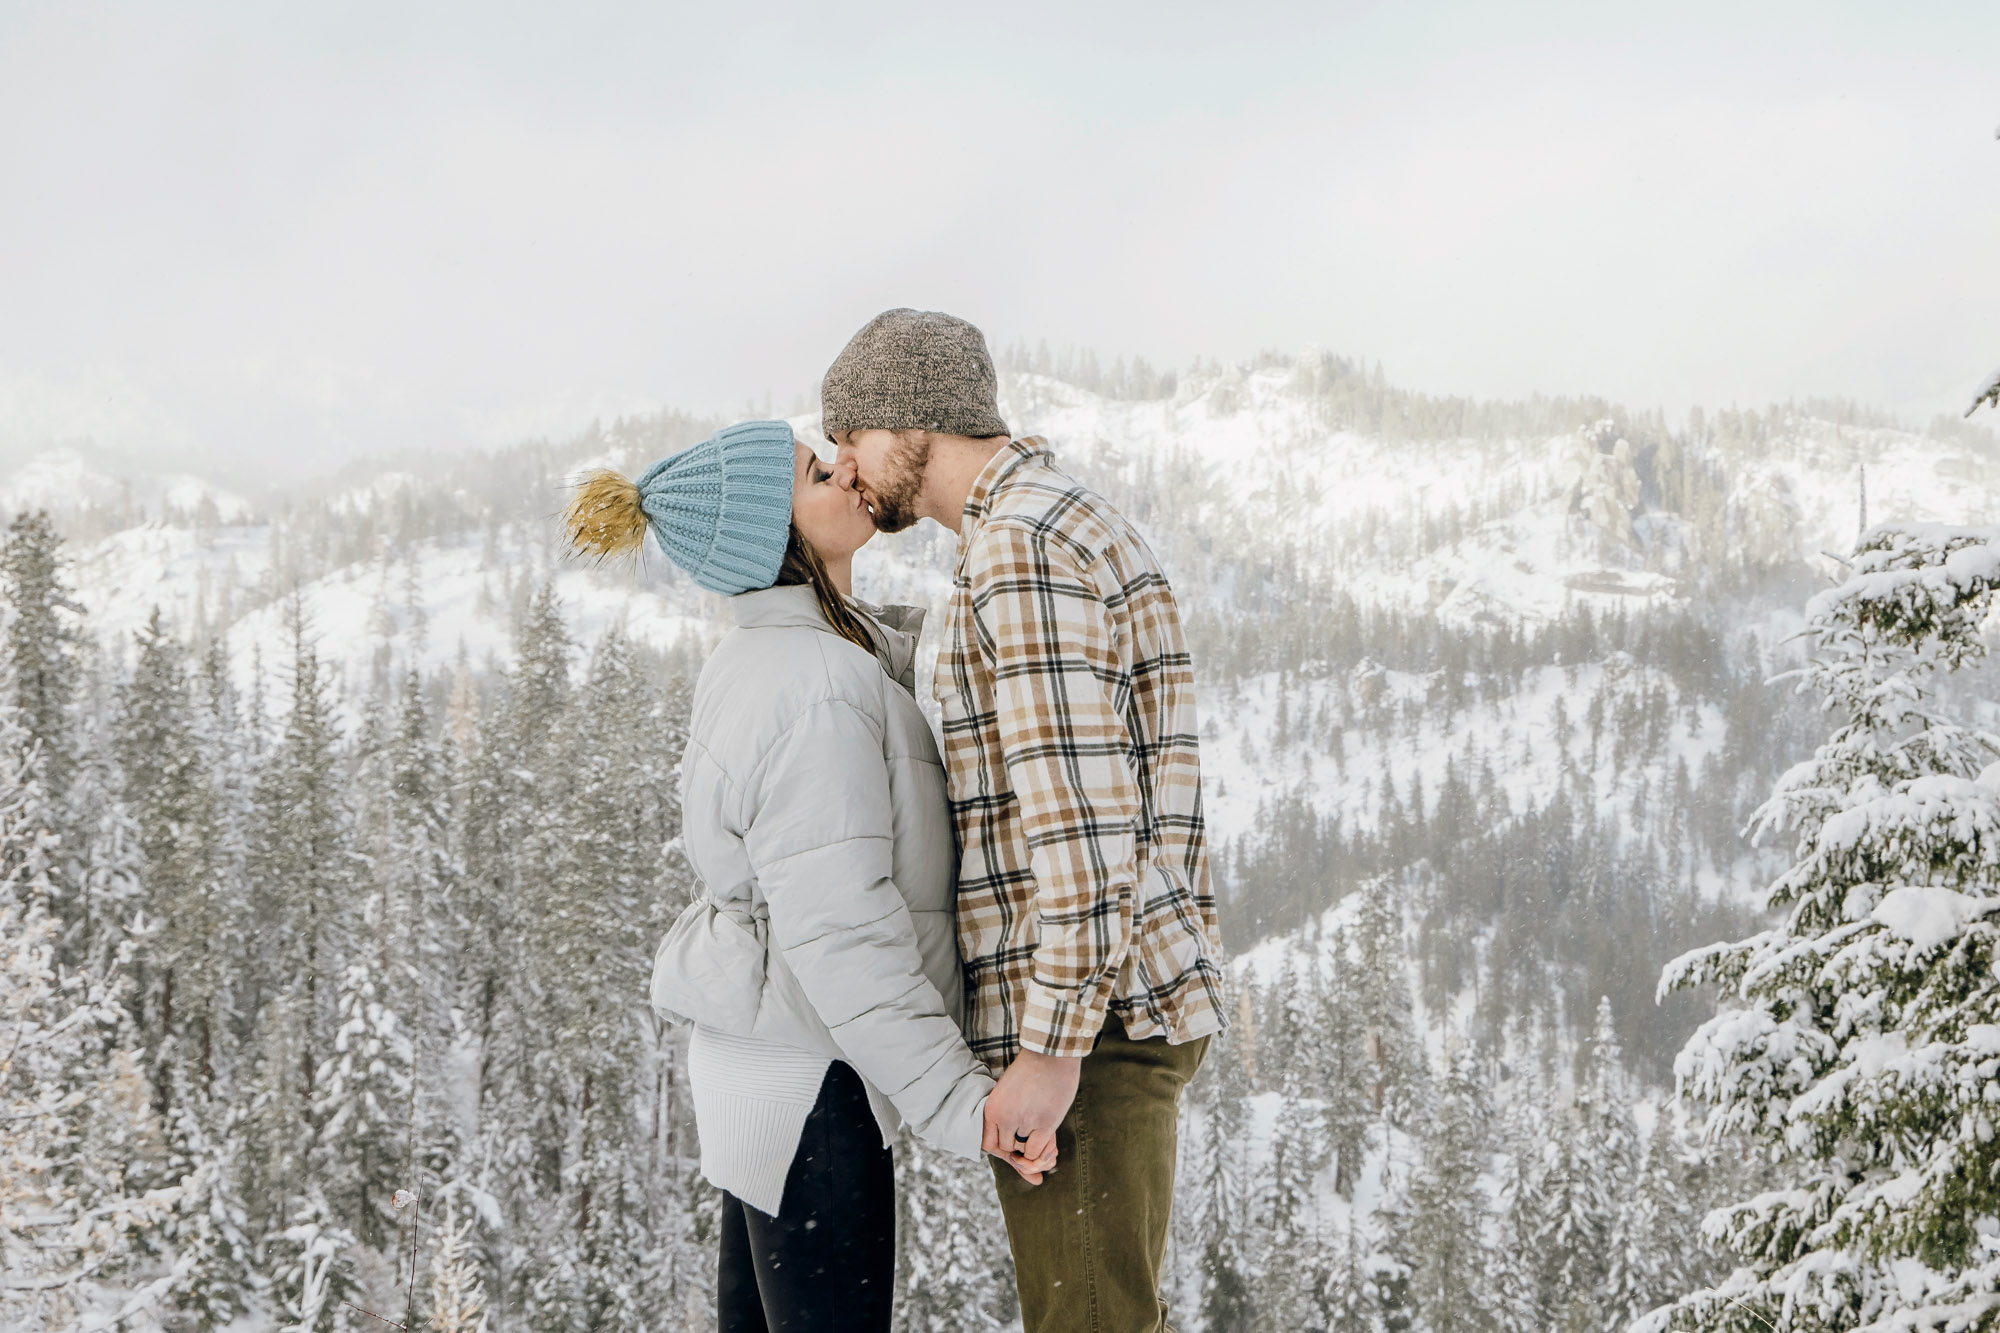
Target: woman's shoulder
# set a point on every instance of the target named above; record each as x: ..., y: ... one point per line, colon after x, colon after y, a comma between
x: 777, y: 671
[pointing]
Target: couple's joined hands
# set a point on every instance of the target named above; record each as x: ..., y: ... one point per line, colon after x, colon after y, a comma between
x: 1029, y: 1101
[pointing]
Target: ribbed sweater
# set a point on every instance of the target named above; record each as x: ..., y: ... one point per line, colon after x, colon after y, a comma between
x: 751, y: 1100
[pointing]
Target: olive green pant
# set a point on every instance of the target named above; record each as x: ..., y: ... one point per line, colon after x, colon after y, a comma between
x: 1089, y: 1241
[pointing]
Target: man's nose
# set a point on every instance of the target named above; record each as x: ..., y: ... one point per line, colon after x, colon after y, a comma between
x: 844, y: 474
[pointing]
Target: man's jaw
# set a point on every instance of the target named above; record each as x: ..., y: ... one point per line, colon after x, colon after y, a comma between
x: 874, y: 509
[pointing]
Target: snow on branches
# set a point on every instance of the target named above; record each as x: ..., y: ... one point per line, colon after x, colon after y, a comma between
x: 1858, y: 1043
x: 73, y: 1112
x: 1988, y: 395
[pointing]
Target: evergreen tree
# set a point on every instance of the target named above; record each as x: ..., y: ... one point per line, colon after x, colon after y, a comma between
x: 952, y: 1269
x: 1448, y: 1208
x: 1653, y: 1245
x: 1612, y: 1150
x: 42, y: 646
x: 1392, y: 1263
x: 1393, y: 1052
x: 361, y: 1108
x: 315, y: 1274
x: 1343, y: 1065
x: 528, y: 1104
x: 302, y: 850
x: 1854, y: 1044
x: 1348, y: 1299
x: 101, y: 858
x: 457, y: 1293
x: 1221, y: 1122
x: 215, y: 1264
x: 1576, y: 1205
x: 74, y: 1115
x: 1294, y: 1265
x: 171, y: 794
x: 1515, y: 1273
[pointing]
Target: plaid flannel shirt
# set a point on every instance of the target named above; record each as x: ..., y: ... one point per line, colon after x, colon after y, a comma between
x: 1075, y: 774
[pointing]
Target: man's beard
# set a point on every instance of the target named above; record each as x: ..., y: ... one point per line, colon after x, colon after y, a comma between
x: 895, y: 506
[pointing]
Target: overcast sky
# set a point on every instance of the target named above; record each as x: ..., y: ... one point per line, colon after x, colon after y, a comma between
x: 272, y: 237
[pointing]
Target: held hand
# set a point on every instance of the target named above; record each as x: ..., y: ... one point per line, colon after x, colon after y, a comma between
x: 1032, y: 1172
x: 1026, y: 1106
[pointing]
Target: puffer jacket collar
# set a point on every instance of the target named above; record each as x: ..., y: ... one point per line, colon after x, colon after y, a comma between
x: 895, y: 628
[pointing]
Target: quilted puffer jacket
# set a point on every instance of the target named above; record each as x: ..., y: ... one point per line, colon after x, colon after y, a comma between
x: 814, y: 812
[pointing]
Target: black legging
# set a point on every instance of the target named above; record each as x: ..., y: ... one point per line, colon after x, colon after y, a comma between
x: 827, y: 1262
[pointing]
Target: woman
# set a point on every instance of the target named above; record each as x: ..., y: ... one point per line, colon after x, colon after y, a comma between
x: 820, y: 967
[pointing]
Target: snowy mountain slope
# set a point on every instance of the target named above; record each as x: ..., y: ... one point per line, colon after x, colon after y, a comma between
x: 63, y: 481
x: 1263, y: 491
x: 429, y: 606
x: 1475, y: 529
x: 1286, y: 741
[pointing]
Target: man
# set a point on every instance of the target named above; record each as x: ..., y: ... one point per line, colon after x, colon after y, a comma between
x: 1086, y: 915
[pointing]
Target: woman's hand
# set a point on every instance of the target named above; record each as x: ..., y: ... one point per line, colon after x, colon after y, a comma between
x: 1031, y: 1171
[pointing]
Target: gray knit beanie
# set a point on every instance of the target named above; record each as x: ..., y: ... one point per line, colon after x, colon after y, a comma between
x: 913, y: 370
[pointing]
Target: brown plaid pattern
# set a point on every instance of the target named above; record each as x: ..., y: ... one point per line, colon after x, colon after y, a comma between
x: 1075, y: 774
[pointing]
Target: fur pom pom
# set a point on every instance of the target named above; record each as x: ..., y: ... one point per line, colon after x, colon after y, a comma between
x: 605, y: 519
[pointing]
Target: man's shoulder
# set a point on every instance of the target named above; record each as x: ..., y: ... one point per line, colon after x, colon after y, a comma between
x: 1041, y: 505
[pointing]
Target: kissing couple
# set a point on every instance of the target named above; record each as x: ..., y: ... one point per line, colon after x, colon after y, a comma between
x: 1010, y: 948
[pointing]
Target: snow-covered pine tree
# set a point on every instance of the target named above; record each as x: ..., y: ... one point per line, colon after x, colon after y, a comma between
x: 514, y: 840
x: 1515, y: 1272
x: 1280, y: 1032
x: 302, y: 888
x: 1347, y: 1298
x: 101, y: 859
x: 1448, y: 1206
x: 214, y: 1263
x: 315, y: 1273
x: 302, y: 851
x: 41, y: 641
x: 1396, y: 1069
x: 1221, y: 1123
x: 590, y: 958
x: 171, y: 796
x: 1576, y: 1209
x: 1392, y: 1261
x: 588, y: 919
x: 457, y: 1293
x: 1294, y: 1264
x: 73, y: 1110
x: 952, y: 1267
x: 422, y: 928
x: 1346, y: 1101
x: 1628, y: 1286
x: 1656, y: 1247
x: 360, y: 1109
x: 1857, y: 1040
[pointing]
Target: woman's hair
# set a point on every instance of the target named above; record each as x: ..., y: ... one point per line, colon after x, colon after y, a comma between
x: 803, y: 566
x: 605, y: 520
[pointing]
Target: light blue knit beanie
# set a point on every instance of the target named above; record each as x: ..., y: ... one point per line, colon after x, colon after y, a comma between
x: 722, y: 509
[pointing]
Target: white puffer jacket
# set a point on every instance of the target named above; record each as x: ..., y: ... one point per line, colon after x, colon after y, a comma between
x: 814, y: 812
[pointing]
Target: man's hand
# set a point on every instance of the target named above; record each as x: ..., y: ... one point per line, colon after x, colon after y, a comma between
x: 1030, y: 1100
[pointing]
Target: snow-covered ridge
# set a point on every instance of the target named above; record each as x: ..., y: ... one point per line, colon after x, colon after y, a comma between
x: 64, y: 481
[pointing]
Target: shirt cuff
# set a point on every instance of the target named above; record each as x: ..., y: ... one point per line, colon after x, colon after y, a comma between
x: 1064, y: 1020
